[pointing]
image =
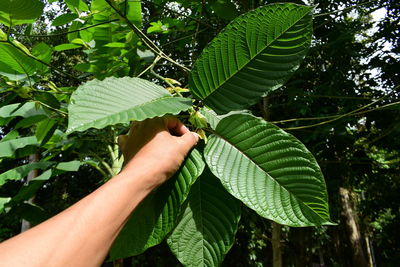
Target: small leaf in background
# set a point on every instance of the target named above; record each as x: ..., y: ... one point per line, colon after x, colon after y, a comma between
x: 11, y: 135
x: 47, y: 98
x: 70, y: 166
x: 9, y: 148
x: 75, y: 5
x: 42, y: 51
x: 157, y: 27
x: 206, y: 230
x: 269, y: 170
x: 30, y: 121
x: 64, y: 19
x: 119, y: 100
x: 15, y: 12
x: 44, y: 130
x: 134, y: 13
x: 3, y: 202
x: 225, y: 9
x: 63, y: 47
x: 115, y: 44
x: 22, y: 171
x: 24, y: 110
x: 29, y: 190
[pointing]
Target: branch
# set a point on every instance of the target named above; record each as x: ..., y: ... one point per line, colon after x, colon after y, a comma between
x: 337, y: 117
x: 152, y: 46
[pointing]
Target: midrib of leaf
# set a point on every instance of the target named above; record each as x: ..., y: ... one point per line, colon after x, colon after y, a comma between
x: 251, y: 59
x: 216, y: 134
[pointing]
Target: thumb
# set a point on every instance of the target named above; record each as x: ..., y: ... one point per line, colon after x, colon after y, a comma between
x: 190, y: 139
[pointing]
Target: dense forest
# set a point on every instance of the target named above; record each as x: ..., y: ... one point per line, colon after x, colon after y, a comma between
x: 343, y: 104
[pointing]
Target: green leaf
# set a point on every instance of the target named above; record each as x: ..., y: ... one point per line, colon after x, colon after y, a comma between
x: 8, y: 148
x: 225, y: 9
x: 119, y: 100
x: 206, y: 230
x: 29, y: 190
x: 14, y: 61
x: 42, y: 51
x: 64, y: 19
x: 28, y: 122
x: 75, y: 5
x: 47, y: 98
x: 115, y: 44
x: 14, y: 12
x: 134, y: 12
x: 44, y: 130
x: 70, y: 166
x: 3, y: 201
x: 11, y: 135
x: 26, y: 110
x: 63, y: 47
x: 213, y: 118
x: 269, y: 170
x: 158, y: 213
x: 254, y: 55
x: 22, y: 171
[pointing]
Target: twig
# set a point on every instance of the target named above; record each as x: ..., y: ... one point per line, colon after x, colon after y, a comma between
x: 152, y: 46
x: 351, y: 113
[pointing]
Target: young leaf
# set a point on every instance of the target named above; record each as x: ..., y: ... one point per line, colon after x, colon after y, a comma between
x: 269, y: 170
x: 254, y: 55
x: 158, y: 213
x: 207, y: 228
x: 119, y: 100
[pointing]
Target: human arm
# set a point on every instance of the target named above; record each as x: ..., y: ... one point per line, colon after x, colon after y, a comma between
x: 83, y: 234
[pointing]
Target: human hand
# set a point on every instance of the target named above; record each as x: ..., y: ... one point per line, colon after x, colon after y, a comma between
x: 157, y: 146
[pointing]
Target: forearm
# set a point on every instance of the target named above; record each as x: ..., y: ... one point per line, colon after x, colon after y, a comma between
x: 82, y: 234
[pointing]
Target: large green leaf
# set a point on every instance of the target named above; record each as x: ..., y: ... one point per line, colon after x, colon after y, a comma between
x: 22, y: 171
x: 208, y: 225
x: 14, y: 12
x: 269, y: 170
x: 8, y: 148
x: 119, y: 100
x: 157, y: 214
x: 254, y: 55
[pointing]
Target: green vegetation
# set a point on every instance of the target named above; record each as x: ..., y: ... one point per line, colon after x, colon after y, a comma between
x: 73, y: 74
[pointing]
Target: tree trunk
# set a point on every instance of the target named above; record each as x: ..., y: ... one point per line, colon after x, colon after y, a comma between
x: 276, y: 245
x: 25, y: 225
x: 353, y: 228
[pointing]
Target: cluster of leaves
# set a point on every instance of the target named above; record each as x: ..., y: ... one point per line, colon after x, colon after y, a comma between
x: 93, y: 39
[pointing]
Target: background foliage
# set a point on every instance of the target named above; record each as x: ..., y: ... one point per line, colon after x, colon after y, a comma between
x: 343, y: 104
